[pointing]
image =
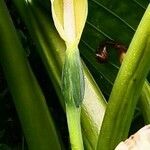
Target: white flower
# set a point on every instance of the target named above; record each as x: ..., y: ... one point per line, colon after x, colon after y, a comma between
x: 139, y: 141
x: 69, y: 18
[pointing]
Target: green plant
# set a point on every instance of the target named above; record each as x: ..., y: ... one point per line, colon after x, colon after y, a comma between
x: 50, y: 47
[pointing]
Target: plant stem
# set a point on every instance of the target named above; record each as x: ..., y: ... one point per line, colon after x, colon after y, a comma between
x: 29, y: 101
x: 127, y: 88
x: 73, y: 92
x: 144, y: 102
x: 73, y: 119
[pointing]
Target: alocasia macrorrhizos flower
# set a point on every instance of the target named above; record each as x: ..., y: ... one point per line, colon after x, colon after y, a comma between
x: 69, y: 18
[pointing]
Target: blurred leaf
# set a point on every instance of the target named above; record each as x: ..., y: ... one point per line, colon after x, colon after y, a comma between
x: 4, y: 147
x: 109, y: 20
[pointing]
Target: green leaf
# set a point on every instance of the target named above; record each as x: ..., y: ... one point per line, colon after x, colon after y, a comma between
x: 115, y: 20
x: 28, y: 98
x: 4, y: 147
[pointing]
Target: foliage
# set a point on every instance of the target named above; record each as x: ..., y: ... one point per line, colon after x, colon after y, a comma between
x: 107, y: 20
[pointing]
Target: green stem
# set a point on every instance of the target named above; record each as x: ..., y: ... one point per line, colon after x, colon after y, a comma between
x: 127, y: 88
x: 29, y: 101
x: 73, y: 119
x: 144, y: 102
x: 73, y: 92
